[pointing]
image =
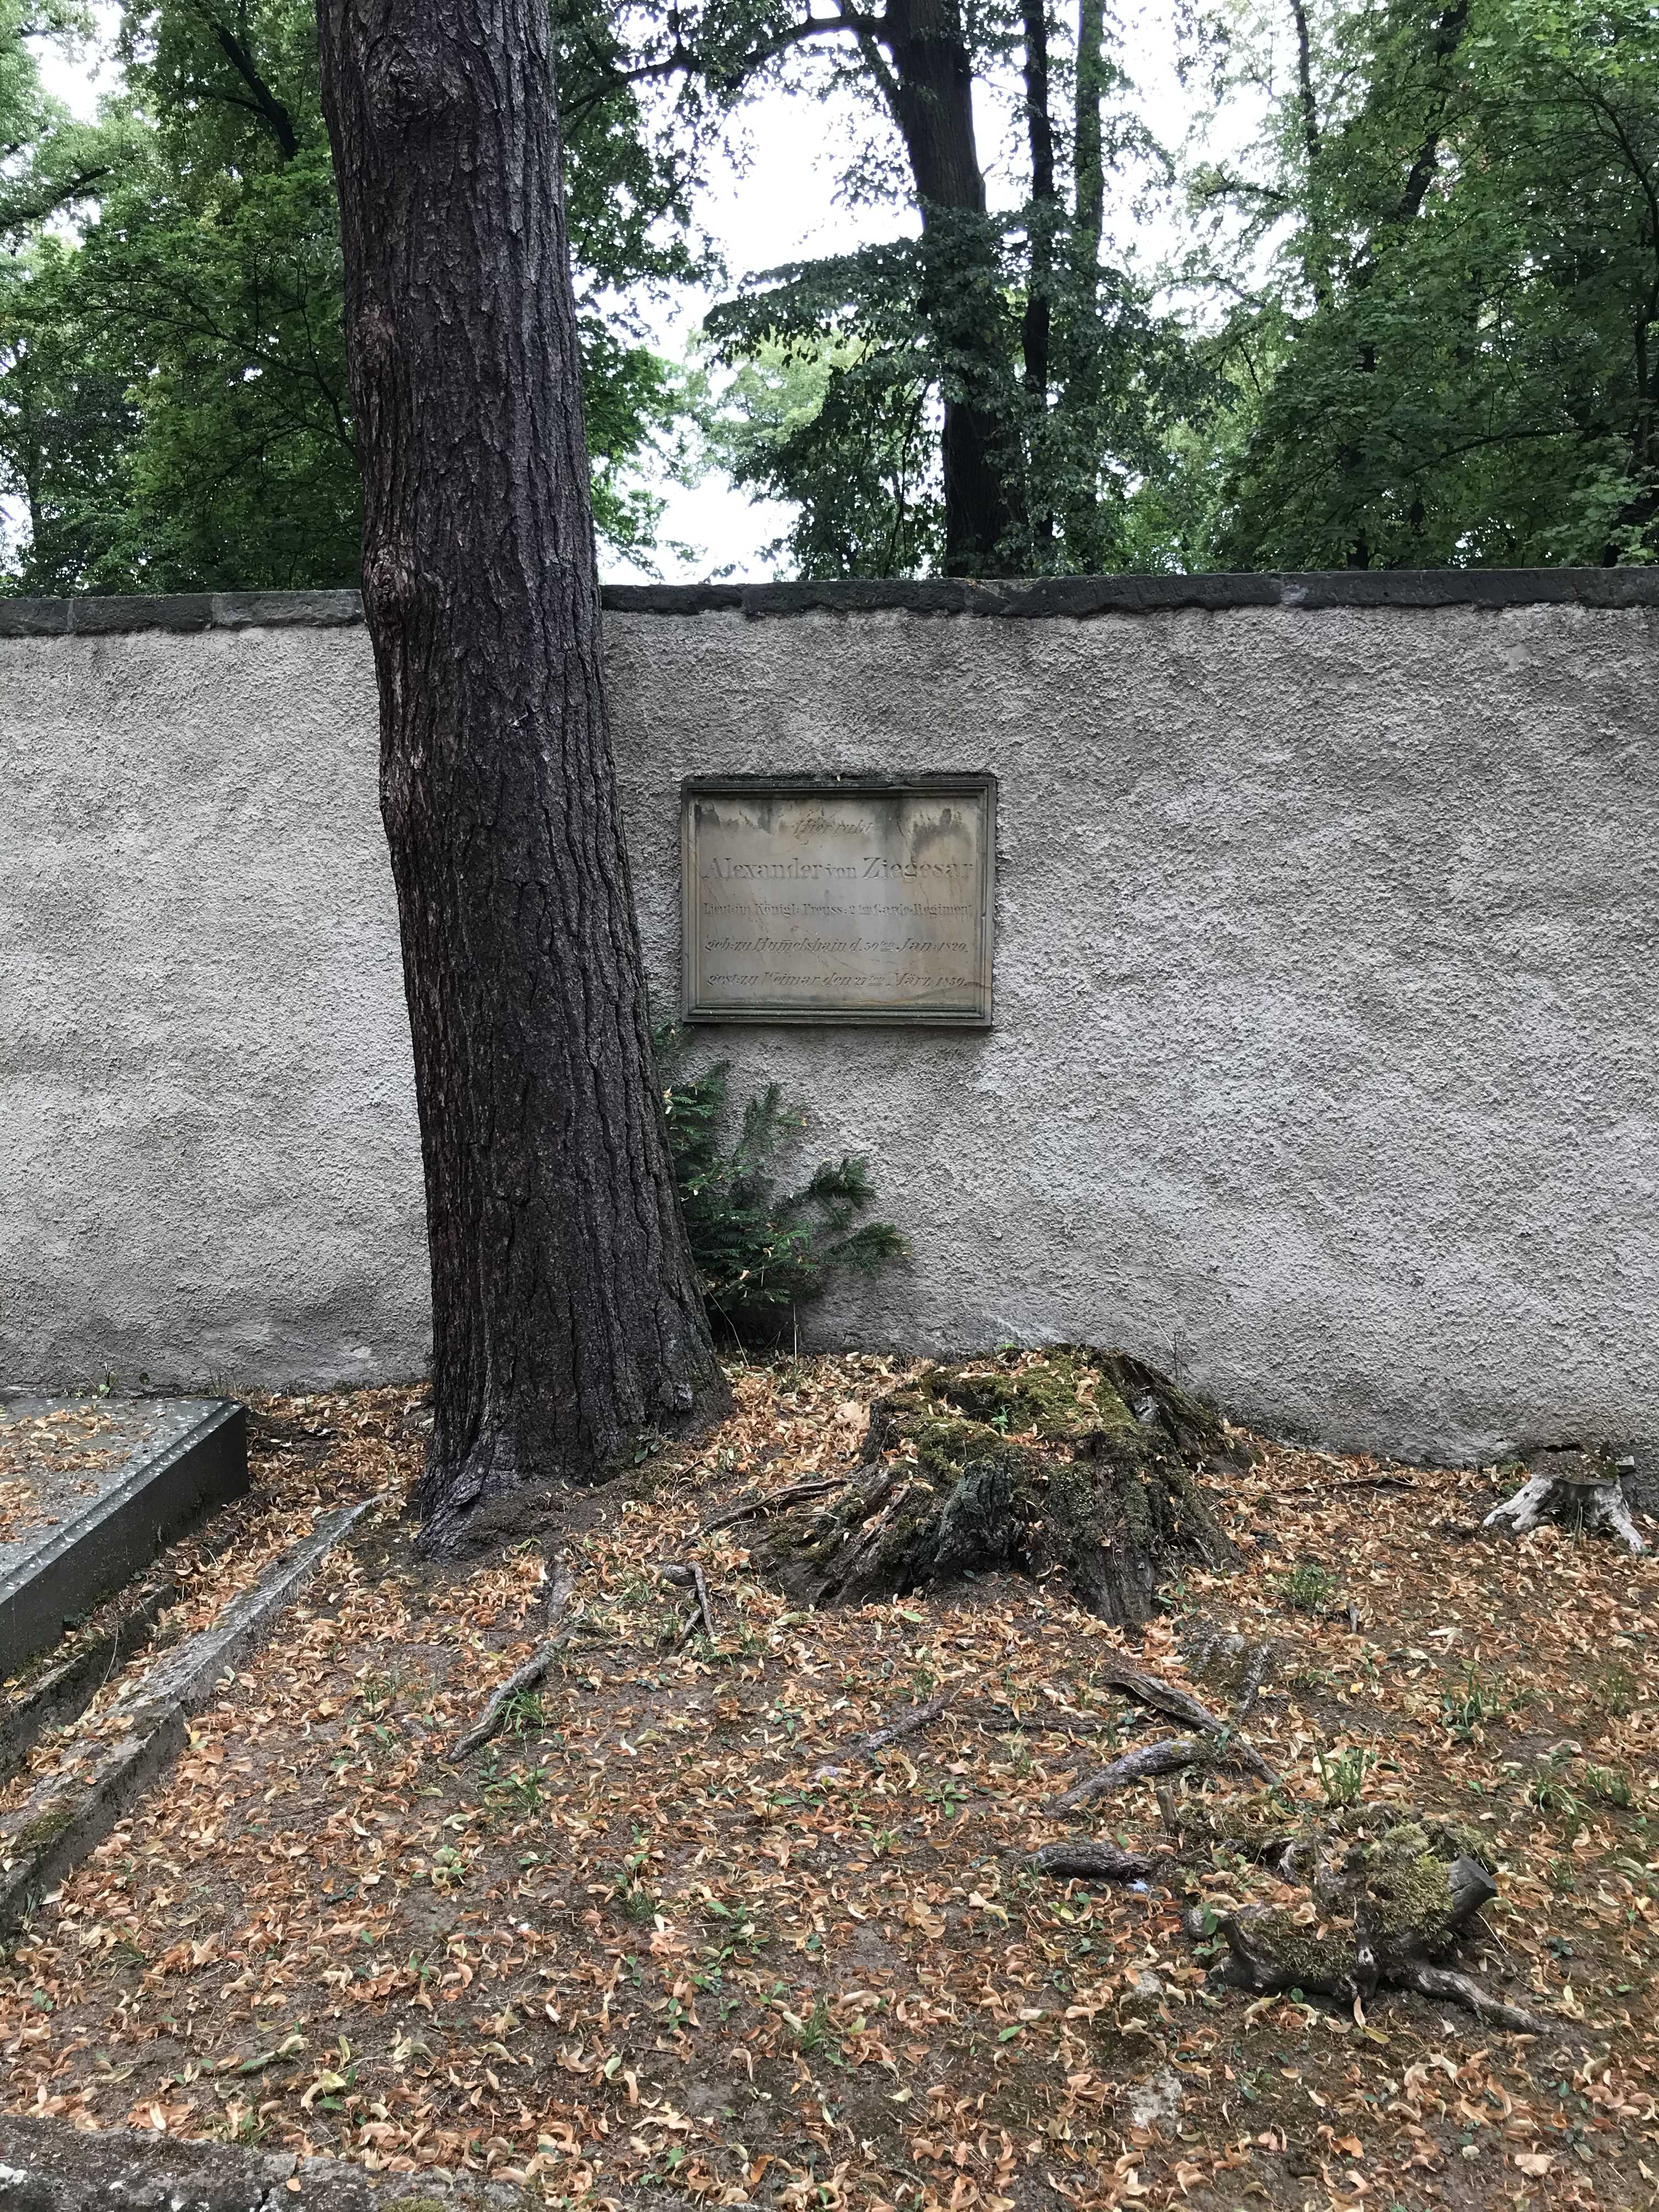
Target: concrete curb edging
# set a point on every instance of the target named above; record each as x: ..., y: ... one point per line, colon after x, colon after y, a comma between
x: 48, y: 2166
x: 63, y: 1694
x: 63, y: 1820
x: 160, y: 1495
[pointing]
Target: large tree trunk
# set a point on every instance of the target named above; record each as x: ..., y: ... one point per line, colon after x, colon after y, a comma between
x: 565, y: 1310
x: 1080, y: 338
x: 930, y: 91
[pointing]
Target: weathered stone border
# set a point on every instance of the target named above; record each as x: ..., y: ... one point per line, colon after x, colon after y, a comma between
x: 161, y: 1493
x: 1038, y: 598
x: 64, y: 1692
x: 62, y: 1821
x: 48, y: 2166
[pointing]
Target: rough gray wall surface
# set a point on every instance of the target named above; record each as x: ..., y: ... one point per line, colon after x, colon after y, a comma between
x: 212, y: 1165
x: 1325, y: 984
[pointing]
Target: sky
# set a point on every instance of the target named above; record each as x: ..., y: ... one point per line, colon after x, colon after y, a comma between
x: 775, y: 201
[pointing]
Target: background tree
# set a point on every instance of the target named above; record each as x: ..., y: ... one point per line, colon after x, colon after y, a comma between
x: 1049, y: 386
x: 1452, y: 354
x: 1416, y: 319
x: 173, y: 390
x: 566, y: 1313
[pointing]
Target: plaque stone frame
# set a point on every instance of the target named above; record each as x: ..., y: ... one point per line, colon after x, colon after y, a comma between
x: 962, y: 1001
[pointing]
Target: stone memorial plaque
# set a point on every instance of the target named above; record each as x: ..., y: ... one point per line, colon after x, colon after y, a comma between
x: 837, y: 901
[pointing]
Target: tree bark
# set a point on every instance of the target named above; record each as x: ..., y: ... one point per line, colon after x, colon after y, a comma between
x: 566, y: 1313
x: 1036, y: 326
x: 1079, y: 347
x: 1088, y: 144
x: 1040, y: 132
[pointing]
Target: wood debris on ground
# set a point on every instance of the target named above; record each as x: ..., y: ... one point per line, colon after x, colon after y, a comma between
x: 672, y: 1927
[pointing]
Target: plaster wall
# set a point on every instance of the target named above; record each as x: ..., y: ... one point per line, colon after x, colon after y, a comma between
x: 1325, y: 980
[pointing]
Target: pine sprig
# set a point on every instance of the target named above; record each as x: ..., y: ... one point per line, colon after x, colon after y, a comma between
x: 763, y: 1253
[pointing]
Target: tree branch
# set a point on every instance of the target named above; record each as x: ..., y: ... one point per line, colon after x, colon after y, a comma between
x: 264, y: 101
x: 682, y: 60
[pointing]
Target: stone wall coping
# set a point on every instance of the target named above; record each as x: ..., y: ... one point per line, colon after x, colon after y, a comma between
x: 1042, y: 597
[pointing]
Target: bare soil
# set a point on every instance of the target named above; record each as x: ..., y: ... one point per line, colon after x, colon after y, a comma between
x: 675, y: 1931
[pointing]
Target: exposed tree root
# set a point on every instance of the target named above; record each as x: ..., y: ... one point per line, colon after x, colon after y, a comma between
x: 559, y: 1593
x: 1081, y: 1462
x: 1249, y: 1689
x: 750, y: 1509
x: 1167, y: 1756
x: 1180, y: 1705
x: 907, y: 1724
x: 1464, y: 1990
x: 1092, y: 1862
x: 1578, y: 1488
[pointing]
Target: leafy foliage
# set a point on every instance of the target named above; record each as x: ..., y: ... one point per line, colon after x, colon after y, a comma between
x: 761, y: 1253
x: 863, y: 465
x: 173, y: 408
x: 1425, y: 322
x: 1454, y: 357
x: 1417, y: 320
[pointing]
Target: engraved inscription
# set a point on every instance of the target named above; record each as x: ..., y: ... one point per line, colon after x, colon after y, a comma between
x: 838, y: 903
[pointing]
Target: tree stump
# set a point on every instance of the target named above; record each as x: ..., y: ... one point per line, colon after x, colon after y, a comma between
x: 1580, y: 1489
x: 1071, y: 1460
x: 1388, y: 1893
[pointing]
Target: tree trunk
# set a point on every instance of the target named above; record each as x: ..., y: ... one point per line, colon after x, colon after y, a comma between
x: 1040, y: 132
x: 566, y: 1313
x: 1088, y: 150
x: 1037, y: 325
x: 930, y: 91
x: 1445, y: 40
x: 1079, y: 346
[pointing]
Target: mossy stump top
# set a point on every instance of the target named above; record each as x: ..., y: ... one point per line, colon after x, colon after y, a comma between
x: 1073, y: 1462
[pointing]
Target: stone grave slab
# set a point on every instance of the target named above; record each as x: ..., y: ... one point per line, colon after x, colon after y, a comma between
x: 91, y: 1489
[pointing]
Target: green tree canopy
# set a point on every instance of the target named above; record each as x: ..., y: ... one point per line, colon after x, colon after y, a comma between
x: 1416, y: 322
x: 173, y: 394
x: 1454, y: 354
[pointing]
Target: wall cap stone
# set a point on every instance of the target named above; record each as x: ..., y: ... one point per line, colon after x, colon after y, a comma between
x: 1041, y: 598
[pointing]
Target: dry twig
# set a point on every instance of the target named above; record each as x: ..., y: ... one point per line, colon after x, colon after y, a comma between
x: 685, y: 1576
x: 907, y: 1723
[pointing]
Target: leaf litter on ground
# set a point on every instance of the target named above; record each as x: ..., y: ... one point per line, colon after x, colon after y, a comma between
x: 673, y: 1927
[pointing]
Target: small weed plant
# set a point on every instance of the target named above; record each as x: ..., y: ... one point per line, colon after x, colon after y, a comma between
x: 1342, y: 1775
x: 1466, y: 1710
x: 1309, y: 1588
x: 1550, y: 1791
x: 524, y: 1713
x: 1610, y: 1784
x: 1615, y: 1690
